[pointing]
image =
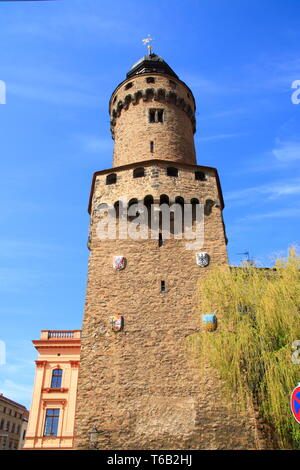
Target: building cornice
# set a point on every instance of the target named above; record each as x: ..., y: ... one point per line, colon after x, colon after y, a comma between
x: 145, y: 163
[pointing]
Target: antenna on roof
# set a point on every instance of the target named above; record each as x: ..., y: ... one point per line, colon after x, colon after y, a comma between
x: 249, y: 261
x: 147, y: 42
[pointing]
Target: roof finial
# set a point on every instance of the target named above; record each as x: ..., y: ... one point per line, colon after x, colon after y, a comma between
x: 147, y: 42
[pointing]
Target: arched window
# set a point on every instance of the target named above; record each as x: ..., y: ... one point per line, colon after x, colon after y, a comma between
x: 117, y: 208
x: 200, y: 176
x: 139, y: 172
x: 111, y: 178
x: 164, y: 199
x: 209, y: 203
x: 148, y: 201
x: 131, y: 203
x: 172, y: 171
x: 56, y: 378
x: 179, y: 200
x: 194, y: 203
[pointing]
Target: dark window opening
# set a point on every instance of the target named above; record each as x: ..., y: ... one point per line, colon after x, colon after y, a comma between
x: 151, y: 146
x: 209, y: 203
x: 131, y: 203
x: 156, y: 115
x: 139, y: 172
x: 160, y: 115
x: 129, y: 85
x: 164, y: 199
x: 115, y: 98
x: 51, y: 422
x: 173, y: 84
x: 56, y: 378
x: 150, y: 80
x: 151, y: 115
x: 195, y: 203
x: 172, y: 171
x: 111, y: 179
x: 117, y: 209
x: 162, y: 286
x: 200, y: 176
x: 160, y: 240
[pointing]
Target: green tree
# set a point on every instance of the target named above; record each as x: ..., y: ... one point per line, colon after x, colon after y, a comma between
x: 258, y: 312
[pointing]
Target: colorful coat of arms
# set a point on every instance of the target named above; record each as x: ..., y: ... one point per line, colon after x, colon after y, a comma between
x: 119, y: 262
x: 117, y: 322
x: 202, y: 259
x: 209, y: 322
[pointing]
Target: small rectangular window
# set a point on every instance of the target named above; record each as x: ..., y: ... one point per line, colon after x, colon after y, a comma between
x: 162, y: 286
x: 150, y: 80
x: 51, y: 422
x: 160, y: 115
x: 156, y: 115
x: 160, y: 240
x: 151, y: 115
x: 151, y: 146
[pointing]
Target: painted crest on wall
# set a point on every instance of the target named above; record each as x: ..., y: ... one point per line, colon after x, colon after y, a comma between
x: 210, y: 322
x: 117, y: 322
x: 119, y: 262
x: 202, y: 259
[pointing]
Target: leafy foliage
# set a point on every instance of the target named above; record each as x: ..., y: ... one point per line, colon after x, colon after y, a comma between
x: 258, y: 314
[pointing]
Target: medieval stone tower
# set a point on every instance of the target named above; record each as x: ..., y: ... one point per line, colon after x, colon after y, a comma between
x: 138, y: 387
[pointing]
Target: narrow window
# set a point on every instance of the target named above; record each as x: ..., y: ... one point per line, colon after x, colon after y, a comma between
x: 139, y: 172
x: 156, y: 115
x: 160, y: 240
x: 129, y: 85
x: 160, y: 115
x: 56, y: 378
x: 151, y: 146
x: 51, y: 422
x: 172, y: 171
x: 151, y: 115
x: 200, y: 176
x: 115, y: 99
x: 150, y: 80
x: 111, y: 179
x: 162, y: 286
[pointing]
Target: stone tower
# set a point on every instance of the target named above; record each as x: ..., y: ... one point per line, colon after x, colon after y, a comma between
x: 138, y: 387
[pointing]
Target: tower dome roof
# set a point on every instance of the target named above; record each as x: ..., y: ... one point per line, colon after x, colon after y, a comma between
x: 151, y: 63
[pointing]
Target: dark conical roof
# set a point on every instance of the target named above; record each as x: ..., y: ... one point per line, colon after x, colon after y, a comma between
x: 151, y: 63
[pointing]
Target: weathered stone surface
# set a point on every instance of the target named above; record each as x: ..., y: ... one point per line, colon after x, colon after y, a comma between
x: 141, y: 387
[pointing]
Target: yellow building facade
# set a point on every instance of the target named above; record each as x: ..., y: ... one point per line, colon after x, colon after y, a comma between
x: 52, y: 415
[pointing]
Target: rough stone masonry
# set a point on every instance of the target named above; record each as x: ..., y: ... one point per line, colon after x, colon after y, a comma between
x: 141, y: 387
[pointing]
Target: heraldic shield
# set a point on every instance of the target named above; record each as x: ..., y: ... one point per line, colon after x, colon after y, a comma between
x: 202, y: 259
x: 119, y: 262
x: 117, y: 322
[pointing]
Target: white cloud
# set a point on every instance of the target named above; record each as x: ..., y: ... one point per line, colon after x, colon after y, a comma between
x: 220, y: 137
x: 52, y: 85
x: 269, y: 191
x: 16, y: 391
x: 94, y: 144
x: 287, y: 151
x: 281, y: 213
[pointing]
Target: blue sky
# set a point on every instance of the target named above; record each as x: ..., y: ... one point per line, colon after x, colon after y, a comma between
x: 60, y: 61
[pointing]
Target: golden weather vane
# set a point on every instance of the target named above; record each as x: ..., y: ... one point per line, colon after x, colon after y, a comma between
x: 147, y: 42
